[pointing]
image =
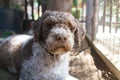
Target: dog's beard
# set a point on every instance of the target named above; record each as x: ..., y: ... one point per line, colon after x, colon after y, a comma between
x: 59, y: 47
x: 56, y: 48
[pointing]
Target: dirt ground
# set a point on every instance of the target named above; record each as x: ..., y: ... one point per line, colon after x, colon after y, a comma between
x: 88, y: 66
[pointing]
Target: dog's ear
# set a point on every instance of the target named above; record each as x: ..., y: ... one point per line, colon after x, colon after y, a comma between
x: 38, y: 27
x: 79, y: 33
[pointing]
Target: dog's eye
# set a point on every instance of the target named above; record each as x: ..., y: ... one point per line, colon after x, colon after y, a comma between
x: 50, y: 25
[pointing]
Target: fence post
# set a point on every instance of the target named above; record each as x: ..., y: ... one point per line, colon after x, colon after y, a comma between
x: 91, y: 18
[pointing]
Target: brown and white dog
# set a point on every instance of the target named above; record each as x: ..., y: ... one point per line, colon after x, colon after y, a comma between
x: 46, y: 55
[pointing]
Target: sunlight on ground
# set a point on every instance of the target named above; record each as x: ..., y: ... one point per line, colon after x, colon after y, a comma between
x: 109, y: 44
x: 87, y: 66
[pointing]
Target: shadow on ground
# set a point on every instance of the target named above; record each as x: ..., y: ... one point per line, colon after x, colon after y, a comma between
x: 87, y: 65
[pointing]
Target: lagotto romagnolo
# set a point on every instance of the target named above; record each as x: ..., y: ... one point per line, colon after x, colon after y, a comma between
x: 46, y: 55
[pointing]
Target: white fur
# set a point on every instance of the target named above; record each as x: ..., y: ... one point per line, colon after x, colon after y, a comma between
x: 16, y: 41
x: 1, y: 40
x: 46, y: 66
x: 60, y: 30
x: 42, y: 66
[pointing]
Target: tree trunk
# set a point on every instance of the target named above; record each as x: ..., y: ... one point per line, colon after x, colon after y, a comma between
x: 60, y: 5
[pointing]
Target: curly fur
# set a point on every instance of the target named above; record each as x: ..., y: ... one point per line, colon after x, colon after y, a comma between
x: 49, y: 19
x: 14, y: 50
x: 55, y: 33
x: 46, y: 55
x: 44, y: 66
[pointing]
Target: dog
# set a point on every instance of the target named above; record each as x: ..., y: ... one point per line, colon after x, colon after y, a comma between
x: 46, y: 55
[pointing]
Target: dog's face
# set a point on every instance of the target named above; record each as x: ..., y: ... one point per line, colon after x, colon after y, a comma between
x: 60, y: 39
x: 58, y: 31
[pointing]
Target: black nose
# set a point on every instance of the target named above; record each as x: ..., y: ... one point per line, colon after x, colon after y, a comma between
x: 61, y: 38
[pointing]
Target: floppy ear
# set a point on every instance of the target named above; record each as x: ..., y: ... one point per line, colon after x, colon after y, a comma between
x: 79, y: 33
x: 38, y: 27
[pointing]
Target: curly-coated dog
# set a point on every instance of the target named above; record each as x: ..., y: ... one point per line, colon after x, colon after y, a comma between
x: 46, y: 55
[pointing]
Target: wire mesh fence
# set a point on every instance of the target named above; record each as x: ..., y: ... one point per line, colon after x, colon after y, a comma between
x: 108, y: 30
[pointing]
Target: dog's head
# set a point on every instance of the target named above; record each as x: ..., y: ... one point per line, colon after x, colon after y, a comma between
x: 59, y: 31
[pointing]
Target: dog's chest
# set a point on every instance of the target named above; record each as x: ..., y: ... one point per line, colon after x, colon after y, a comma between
x: 44, y: 66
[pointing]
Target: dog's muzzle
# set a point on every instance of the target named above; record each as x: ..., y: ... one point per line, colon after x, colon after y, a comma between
x: 60, y: 41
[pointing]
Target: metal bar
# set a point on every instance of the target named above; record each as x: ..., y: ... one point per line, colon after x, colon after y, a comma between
x: 82, y: 9
x: 26, y: 14
x: 32, y: 6
x: 38, y: 7
x: 110, y: 16
x: 117, y: 5
x: 104, y: 16
x: 43, y: 5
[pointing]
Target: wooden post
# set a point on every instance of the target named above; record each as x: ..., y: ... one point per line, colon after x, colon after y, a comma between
x: 91, y: 18
x: 59, y: 5
x: 95, y: 18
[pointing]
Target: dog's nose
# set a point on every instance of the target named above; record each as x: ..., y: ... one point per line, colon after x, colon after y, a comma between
x: 61, y: 38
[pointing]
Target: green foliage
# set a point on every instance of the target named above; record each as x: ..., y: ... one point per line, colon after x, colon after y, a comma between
x: 76, y: 13
x: 75, y: 2
x: 16, y: 6
x: 7, y: 33
x: 84, y: 1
